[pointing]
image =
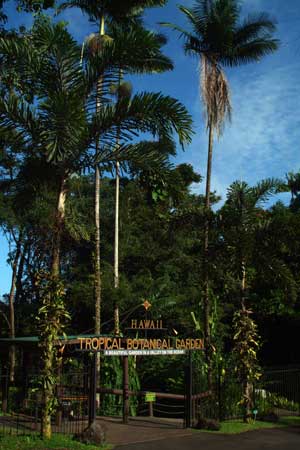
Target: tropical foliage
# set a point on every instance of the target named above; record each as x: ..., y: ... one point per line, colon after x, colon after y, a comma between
x: 78, y: 143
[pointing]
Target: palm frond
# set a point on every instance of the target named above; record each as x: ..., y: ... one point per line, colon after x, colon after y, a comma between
x: 215, y: 94
x: 113, y: 9
x: 253, y: 27
x: 263, y: 190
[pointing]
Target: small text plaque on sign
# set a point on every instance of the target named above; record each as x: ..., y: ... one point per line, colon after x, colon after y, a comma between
x: 143, y: 352
x: 150, y: 397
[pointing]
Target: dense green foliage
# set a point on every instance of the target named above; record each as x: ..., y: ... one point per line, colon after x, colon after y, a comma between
x: 58, y: 441
x: 49, y: 131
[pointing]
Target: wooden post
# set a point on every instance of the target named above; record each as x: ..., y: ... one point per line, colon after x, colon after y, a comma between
x: 4, y: 388
x: 93, y: 390
x: 150, y: 404
x: 189, y: 393
x: 125, y: 390
x: 58, y: 415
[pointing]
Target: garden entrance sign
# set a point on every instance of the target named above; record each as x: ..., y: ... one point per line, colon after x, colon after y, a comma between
x: 140, y: 346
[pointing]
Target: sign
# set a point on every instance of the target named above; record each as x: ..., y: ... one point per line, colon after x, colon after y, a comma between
x: 146, y: 324
x: 143, y: 352
x: 150, y: 397
x: 98, y: 344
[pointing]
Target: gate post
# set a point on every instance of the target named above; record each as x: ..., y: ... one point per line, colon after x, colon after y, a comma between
x: 125, y: 390
x: 4, y: 388
x: 93, y: 390
x: 189, y: 392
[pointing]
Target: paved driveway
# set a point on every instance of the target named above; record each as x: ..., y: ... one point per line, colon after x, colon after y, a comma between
x: 275, y: 439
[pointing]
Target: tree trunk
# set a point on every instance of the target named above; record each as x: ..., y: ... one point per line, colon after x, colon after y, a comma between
x: 207, y: 334
x: 12, y: 332
x: 97, y: 285
x: 247, y: 386
x: 243, y: 285
x: 116, y: 250
x: 97, y: 282
x: 20, y: 273
x: 59, y: 222
x: 48, y: 352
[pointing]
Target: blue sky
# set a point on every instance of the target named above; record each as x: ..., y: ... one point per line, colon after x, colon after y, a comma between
x: 263, y: 138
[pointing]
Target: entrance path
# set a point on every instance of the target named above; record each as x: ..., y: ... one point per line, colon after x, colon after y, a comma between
x: 142, y: 429
x: 151, y: 434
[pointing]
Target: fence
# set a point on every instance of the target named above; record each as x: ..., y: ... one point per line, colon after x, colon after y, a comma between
x: 21, y: 404
x: 278, y: 392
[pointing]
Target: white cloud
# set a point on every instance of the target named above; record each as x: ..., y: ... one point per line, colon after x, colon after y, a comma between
x: 263, y: 139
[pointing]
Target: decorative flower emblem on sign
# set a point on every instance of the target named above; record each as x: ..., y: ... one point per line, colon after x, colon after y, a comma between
x: 146, y: 305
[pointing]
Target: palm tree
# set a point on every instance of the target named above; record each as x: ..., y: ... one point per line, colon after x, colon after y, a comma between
x: 241, y: 218
x: 100, y: 12
x: 219, y: 40
x: 145, y: 57
x: 58, y: 125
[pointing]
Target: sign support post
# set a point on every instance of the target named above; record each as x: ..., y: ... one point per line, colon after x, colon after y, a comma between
x: 125, y: 390
x: 93, y: 390
x: 189, y: 392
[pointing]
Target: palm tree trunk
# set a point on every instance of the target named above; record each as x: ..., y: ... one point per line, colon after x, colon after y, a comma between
x: 116, y: 249
x: 97, y: 285
x: 59, y: 221
x: 20, y: 273
x: 207, y: 334
x: 116, y: 237
x: 48, y: 358
x: 243, y: 285
x: 97, y: 282
x: 12, y: 333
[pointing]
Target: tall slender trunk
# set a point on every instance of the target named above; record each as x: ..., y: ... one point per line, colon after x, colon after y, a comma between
x: 116, y: 236
x: 116, y: 249
x: 20, y: 273
x: 59, y: 222
x: 97, y: 285
x: 48, y: 350
x: 207, y: 333
x: 247, y: 385
x: 12, y: 330
x: 243, y: 285
x: 97, y: 282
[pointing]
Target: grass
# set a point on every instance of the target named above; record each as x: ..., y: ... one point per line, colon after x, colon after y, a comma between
x: 59, y: 442
x: 238, y: 426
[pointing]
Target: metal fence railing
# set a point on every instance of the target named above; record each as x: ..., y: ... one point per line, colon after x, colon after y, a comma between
x: 277, y: 392
x: 21, y: 405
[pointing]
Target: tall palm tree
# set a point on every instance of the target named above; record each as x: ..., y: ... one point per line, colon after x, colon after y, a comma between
x: 146, y: 57
x: 241, y: 218
x: 219, y: 40
x: 102, y: 12
x: 58, y: 125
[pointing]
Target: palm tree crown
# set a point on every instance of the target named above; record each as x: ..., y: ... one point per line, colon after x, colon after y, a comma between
x: 218, y: 34
x: 220, y: 40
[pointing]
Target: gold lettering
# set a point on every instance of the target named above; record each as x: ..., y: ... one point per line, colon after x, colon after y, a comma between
x: 145, y: 344
x: 101, y: 342
x: 133, y: 323
x: 108, y: 344
x: 81, y: 341
x: 115, y: 343
x: 95, y: 343
x: 88, y: 343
